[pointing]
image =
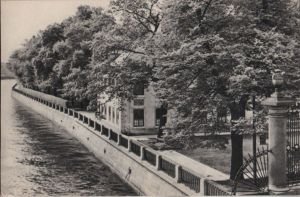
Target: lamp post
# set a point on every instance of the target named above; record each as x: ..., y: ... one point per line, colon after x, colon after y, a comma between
x: 278, y: 106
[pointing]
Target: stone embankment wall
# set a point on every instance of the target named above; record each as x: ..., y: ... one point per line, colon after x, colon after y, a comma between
x: 146, y: 170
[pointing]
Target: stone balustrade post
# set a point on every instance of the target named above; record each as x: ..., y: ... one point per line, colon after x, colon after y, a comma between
x: 119, y: 139
x: 129, y: 145
x: 158, y: 161
x: 109, y: 134
x: 202, y: 187
x: 278, y: 106
x: 142, y: 153
x: 177, y: 173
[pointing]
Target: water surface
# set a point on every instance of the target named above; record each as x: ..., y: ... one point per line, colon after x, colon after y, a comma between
x: 41, y: 158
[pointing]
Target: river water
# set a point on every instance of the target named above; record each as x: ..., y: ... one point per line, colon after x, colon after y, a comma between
x: 40, y: 158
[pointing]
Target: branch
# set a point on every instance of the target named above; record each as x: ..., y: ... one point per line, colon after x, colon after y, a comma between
x: 205, y: 10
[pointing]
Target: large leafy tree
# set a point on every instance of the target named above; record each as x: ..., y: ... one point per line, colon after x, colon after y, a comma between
x: 219, y: 53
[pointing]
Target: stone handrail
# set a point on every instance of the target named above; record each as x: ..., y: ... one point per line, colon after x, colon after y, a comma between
x: 197, y: 183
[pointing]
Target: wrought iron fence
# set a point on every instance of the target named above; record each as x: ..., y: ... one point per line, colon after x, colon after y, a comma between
x: 113, y: 136
x: 293, y: 149
x: 85, y: 120
x: 189, y: 179
x: 135, y: 148
x: 91, y: 123
x: 97, y: 127
x: 104, y: 131
x: 150, y: 157
x: 123, y: 141
x: 213, y: 189
x: 167, y: 167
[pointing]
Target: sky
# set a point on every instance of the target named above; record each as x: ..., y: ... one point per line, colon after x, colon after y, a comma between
x: 21, y: 19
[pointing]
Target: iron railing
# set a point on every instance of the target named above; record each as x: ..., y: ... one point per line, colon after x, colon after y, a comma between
x: 85, y: 120
x: 123, y: 141
x: 213, y: 189
x: 293, y: 145
x: 104, y: 131
x: 113, y: 136
x: 97, y: 127
x: 135, y: 148
x: 167, y: 167
x: 91, y: 123
x: 189, y: 179
x: 150, y: 157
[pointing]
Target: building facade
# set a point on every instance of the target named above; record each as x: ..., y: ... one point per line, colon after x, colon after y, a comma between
x: 140, y: 116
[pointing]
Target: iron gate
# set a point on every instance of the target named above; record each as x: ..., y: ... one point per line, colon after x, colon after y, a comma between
x: 293, y: 151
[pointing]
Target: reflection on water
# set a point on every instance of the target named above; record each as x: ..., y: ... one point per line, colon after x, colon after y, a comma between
x: 38, y: 157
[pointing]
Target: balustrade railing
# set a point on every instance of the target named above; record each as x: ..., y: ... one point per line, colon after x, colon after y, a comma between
x: 150, y: 157
x: 167, y: 167
x: 91, y: 123
x: 189, y: 179
x: 80, y: 117
x: 185, y: 176
x: 104, y: 131
x: 113, y: 136
x: 135, y: 148
x: 97, y: 127
x: 213, y: 189
x: 123, y: 141
x: 85, y: 120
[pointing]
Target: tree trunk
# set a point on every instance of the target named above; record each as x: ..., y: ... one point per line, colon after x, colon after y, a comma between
x: 236, y: 154
x: 237, y: 111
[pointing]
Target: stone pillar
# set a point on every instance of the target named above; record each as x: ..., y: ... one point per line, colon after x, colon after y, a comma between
x: 278, y: 106
x: 129, y: 145
x: 142, y: 153
x: 178, y: 168
x: 158, y: 161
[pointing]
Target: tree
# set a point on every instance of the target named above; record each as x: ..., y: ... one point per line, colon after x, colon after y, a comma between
x: 217, y: 53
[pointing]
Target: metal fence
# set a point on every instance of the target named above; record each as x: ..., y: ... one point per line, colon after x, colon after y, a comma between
x: 293, y: 143
x: 97, y: 127
x: 91, y: 123
x: 189, y: 179
x: 212, y: 189
x: 135, y: 148
x: 104, y: 131
x: 150, y: 157
x: 123, y: 141
x: 113, y: 136
x: 167, y: 167
x: 85, y: 120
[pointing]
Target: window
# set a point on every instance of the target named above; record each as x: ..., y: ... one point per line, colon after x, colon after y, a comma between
x: 138, y: 89
x: 158, y: 114
x: 138, y: 117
